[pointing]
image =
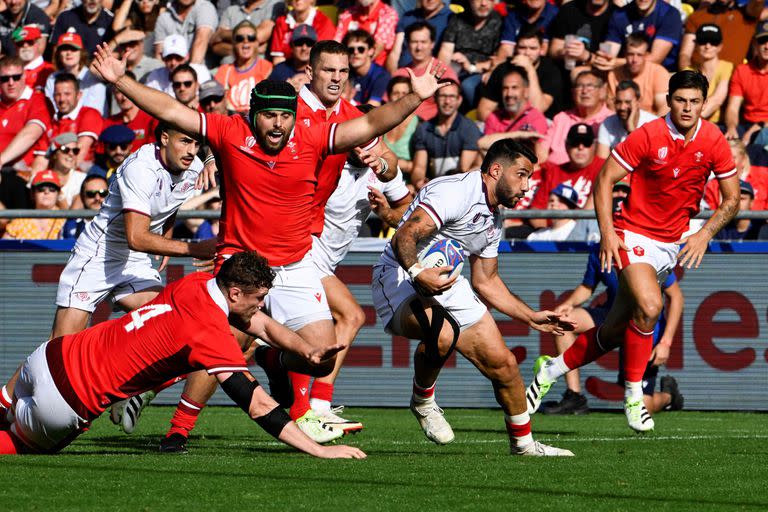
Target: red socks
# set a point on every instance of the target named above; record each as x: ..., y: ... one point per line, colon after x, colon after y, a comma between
x: 585, y: 349
x: 10, y: 444
x: 519, y: 428
x: 638, y: 346
x: 5, y: 398
x: 423, y: 393
x: 300, y: 384
x: 185, y: 417
x: 321, y: 391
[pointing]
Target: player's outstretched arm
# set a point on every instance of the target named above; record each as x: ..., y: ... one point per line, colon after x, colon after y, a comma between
x: 156, y: 103
x: 379, y: 121
x: 141, y: 239
x: 610, y: 243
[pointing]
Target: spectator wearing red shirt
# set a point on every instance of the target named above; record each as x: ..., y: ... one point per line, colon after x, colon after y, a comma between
x: 303, y: 12
x: 142, y: 124
x: 376, y: 18
x: 24, y: 116
x: 749, y: 89
x: 72, y: 116
x: 240, y: 77
x: 28, y: 49
x: 752, y: 167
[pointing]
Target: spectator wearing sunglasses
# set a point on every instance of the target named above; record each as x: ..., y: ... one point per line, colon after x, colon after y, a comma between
x: 370, y: 79
x: 303, y: 13
x: 28, y: 48
x: 45, y: 192
x: 211, y: 97
x: 293, y: 70
x: 175, y: 53
x: 248, y: 69
x: 376, y: 18
x: 184, y: 83
x: 93, y: 191
x: 260, y: 13
x: 19, y: 13
x: 63, y: 154
x: 116, y: 141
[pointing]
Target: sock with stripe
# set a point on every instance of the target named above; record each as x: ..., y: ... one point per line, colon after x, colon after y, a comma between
x: 300, y: 385
x: 10, y: 444
x: 585, y: 349
x: 422, y: 394
x: 519, y: 429
x: 321, y: 396
x: 185, y: 417
x: 5, y: 398
x: 638, y: 346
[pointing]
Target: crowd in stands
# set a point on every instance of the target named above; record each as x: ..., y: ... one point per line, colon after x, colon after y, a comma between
x: 571, y: 79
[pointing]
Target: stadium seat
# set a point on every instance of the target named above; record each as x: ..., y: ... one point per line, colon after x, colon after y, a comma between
x: 456, y: 8
x: 331, y: 11
x: 472, y: 115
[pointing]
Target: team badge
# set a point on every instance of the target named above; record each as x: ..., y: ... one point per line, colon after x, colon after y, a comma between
x: 82, y: 296
x: 250, y: 141
x: 676, y: 171
x: 5, y: 123
x: 698, y: 155
x: 663, y: 152
x: 639, y: 251
x: 307, y: 122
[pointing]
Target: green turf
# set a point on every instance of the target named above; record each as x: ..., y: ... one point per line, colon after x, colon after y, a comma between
x: 694, y: 461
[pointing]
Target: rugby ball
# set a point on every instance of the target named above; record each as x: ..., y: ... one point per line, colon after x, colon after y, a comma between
x: 443, y: 252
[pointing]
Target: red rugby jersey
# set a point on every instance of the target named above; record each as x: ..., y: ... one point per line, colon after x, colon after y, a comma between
x: 31, y: 107
x: 668, y: 177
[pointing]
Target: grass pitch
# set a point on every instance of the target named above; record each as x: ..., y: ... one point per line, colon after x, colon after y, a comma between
x: 694, y: 461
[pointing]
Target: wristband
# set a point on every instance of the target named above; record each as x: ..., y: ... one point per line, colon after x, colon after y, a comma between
x: 415, y: 270
x: 210, y: 158
x: 384, y: 167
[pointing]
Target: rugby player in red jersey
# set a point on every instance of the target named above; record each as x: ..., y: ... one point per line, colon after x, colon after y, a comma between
x: 270, y: 169
x: 69, y: 381
x: 670, y: 160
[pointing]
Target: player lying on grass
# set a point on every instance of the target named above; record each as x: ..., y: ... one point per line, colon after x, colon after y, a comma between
x: 69, y: 381
x: 421, y: 303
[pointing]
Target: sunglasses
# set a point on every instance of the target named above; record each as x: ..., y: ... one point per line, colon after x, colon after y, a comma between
x: 251, y: 38
x: 4, y: 79
x: 212, y: 99
x: 356, y: 49
x: 186, y: 84
x: 304, y: 42
x: 93, y: 193
x: 123, y: 146
x: 46, y: 188
x: 67, y: 150
x: 25, y: 43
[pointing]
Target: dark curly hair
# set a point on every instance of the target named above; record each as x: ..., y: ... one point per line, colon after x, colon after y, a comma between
x: 246, y: 270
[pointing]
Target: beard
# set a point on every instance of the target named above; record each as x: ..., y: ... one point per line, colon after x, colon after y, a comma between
x: 26, y: 54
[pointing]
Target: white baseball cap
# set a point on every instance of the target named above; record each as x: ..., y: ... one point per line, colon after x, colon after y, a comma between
x: 175, y: 44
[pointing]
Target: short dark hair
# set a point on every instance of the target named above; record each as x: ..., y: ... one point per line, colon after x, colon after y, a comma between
x: 636, y: 39
x: 246, y: 270
x: 420, y: 25
x: 167, y: 128
x: 591, y: 72
x: 625, y: 85
x: 8, y: 61
x: 507, y: 151
x: 531, y: 33
x: 327, y: 46
x: 182, y: 68
x: 63, y: 78
x: 397, y: 80
x: 688, y: 79
x: 359, y: 35
x: 516, y: 70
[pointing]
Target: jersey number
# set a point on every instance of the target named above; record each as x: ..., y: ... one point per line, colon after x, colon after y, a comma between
x: 144, y: 313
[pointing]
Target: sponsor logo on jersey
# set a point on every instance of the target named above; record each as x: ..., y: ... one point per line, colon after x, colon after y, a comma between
x: 676, y: 171
x: 271, y: 164
x: 698, y: 155
x: 5, y: 123
x: 639, y: 251
x: 319, y: 297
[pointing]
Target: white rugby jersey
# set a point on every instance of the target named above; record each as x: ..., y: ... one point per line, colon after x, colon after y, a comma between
x: 142, y: 184
x: 459, y: 207
x: 348, y: 207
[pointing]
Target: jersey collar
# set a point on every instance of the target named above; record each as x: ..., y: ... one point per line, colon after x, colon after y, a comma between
x: 291, y: 21
x: 314, y: 102
x: 26, y: 93
x: 215, y: 292
x: 34, y: 63
x: 676, y: 135
x: 72, y: 115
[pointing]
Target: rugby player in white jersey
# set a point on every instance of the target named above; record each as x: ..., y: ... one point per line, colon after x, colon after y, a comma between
x: 111, y: 259
x: 421, y: 303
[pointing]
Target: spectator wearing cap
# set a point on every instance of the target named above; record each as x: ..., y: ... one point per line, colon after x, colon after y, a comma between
x: 420, y: 40
x: 26, y: 40
x: 706, y: 53
x: 652, y: 78
x: 293, y: 70
x: 90, y: 21
x: 738, y: 22
x: 628, y: 117
x: 185, y: 86
x: 446, y: 143
x: 240, y: 77
x: 261, y: 13
x: 72, y: 116
x: 175, y: 53
x: 562, y: 197
x: 368, y: 78
x: 742, y: 229
x: 116, y: 141
x: 139, y: 122
x: 589, y: 94
x: 70, y: 56
x: 376, y: 18
x: 20, y: 13
x: 140, y: 16
x: 579, y: 172
x: 302, y: 13
x: 747, y: 110
x: 45, y: 192
x: 517, y: 119
x: 194, y: 20
x: 130, y: 46
x: 24, y: 118
x: 63, y: 157
x: 434, y: 13
x: 93, y: 191
x: 211, y: 97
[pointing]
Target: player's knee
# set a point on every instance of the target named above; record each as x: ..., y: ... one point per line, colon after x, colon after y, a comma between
x: 647, y: 311
x: 503, y: 368
x: 354, y: 317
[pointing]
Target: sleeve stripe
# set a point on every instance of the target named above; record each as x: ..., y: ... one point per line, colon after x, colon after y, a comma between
x: 432, y: 213
x: 332, y: 137
x: 726, y: 174
x: 88, y: 134
x: 136, y: 211
x: 203, y: 126
x: 38, y: 123
x: 621, y: 161
x: 371, y: 144
x: 404, y: 196
x: 222, y: 369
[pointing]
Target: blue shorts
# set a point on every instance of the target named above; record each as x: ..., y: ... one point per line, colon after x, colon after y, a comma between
x: 598, y: 314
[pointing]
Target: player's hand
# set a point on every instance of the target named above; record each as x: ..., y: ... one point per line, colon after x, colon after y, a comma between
x: 206, y: 180
x: 564, y: 309
x: 426, y: 85
x: 203, y: 250
x: 379, y: 203
x: 609, y: 251
x: 549, y: 321
x: 369, y: 159
x: 341, y: 452
x: 163, y: 263
x: 106, y: 66
x: 693, y: 252
x: 660, y: 354
x: 204, y: 265
x: 319, y: 355
x: 431, y: 281
x: 731, y: 134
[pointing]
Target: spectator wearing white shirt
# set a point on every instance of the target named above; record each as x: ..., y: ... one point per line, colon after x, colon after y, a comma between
x: 562, y: 197
x: 175, y: 53
x: 628, y: 117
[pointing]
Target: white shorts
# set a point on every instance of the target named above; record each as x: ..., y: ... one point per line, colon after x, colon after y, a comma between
x: 89, y: 279
x: 297, y: 297
x: 43, y: 419
x: 392, y: 288
x: 662, y: 256
x: 322, y: 258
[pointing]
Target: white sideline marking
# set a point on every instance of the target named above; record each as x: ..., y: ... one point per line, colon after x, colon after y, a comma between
x: 650, y: 437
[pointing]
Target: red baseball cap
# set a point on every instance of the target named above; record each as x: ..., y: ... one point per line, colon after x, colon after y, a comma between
x: 46, y: 178
x: 70, y: 39
x: 26, y: 33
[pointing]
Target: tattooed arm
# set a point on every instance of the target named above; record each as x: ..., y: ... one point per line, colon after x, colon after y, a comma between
x: 696, y: 244
x: 418, y: 227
